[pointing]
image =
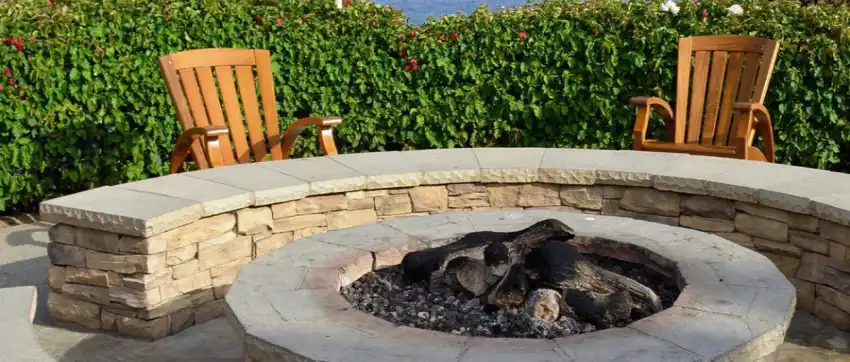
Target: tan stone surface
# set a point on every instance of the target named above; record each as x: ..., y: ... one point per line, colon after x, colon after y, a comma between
x: 55, y: 276
x: 613, y: 192
x: 393, y: 205
x: 186, y: 269
x: 108, y: 320
x: 142, y: 281
x: 136, y: 245
x: 381, y: 218
x: 610, y: 207
x: 197, y: 231
x: 97, y: 240
x: 771, y: 246
x: 761, y: 227
x: 583, y: 197
x: 467, y: 188
x: 63, y: 254
x: 707, y: 206
x: 265, y: 245
x: 738, y: 238
x: 831, y: 313
x: 282, y: 210
x: 788, y: 265
x: 89, y: 293
x: 300, y: 222
x: 229, y: 267
x: 833, y: 297
x: 809, y: 241
x: 94, y: 277
x: 220, y: 254
x: 805, y: 294
x: 346, y: 219
x: 650, y: 201
x: 539, y: 195
x: 478, y: 199
x: 837, y: 251
x: 802, y: 222
x: 135, y: 298
x: 707, y: 224
x: 210, y: 310
x: 254, y: 220
x: 375, y: 193
x: 668, y: 220
x: 502, y: 195
x: 152, y: 329
x: 812, y: 267
x: 181, y: 255
x: 62, y: 233
x: 835, y: 232
x: 73, y: 310
x: 362, y: 203
x: 308, y: 232
x: 181, y: 320
x: 429, y: 198
x: 762, y: 211
x: 321, y: 204
x: 398, y: 191
x: 186, y: 285
x: 126, y: 264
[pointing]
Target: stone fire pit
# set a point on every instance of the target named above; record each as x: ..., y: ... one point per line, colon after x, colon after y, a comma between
x: 735, y: 304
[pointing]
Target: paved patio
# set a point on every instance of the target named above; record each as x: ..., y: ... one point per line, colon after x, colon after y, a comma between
x: 23, y: 261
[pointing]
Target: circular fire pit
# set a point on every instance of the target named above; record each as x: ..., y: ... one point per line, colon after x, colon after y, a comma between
x: 734, y: 303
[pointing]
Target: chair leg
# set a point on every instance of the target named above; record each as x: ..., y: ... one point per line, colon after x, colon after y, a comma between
x: 179, y: 156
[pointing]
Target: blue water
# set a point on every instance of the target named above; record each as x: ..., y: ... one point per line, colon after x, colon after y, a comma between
x: 418, y: 10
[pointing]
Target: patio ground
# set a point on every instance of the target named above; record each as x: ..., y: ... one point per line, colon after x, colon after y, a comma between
x: 23, y: 261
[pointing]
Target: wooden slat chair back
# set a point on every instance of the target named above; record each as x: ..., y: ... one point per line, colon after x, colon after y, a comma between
x: 214, y: 92
x: 721, y: 84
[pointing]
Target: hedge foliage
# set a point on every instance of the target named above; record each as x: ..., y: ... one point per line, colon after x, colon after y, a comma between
x: 88, y: 106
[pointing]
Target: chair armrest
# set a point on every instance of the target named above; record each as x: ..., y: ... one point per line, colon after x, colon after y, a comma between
x: 753, y: 118
x: 326, y: 140
x: 210, y: 147
x: 660, y: 106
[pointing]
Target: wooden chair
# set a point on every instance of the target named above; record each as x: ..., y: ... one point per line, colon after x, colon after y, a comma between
x: 730, y: 78
x: 189, y: 77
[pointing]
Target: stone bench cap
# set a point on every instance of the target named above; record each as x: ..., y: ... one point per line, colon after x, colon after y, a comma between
x: 149, y: 207
x: 17, y: 337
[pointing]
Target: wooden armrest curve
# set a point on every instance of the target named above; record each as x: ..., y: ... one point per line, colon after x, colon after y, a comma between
x: 326, y: 140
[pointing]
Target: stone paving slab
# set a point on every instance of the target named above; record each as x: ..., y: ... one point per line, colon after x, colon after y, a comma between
x: 383, y: 169
x: 727, y: 310
x: 267, y: 185
x: 215, y: 198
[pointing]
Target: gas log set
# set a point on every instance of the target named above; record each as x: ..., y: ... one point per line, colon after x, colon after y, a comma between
x: 530, y: 283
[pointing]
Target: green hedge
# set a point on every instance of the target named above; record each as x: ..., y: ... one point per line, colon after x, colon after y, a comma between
x: 89, y: 107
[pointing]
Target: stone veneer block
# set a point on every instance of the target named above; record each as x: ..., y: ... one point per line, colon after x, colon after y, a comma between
x: 796, y: 194
x: 572, y: 166
x: 509, y: 165
x: 383, y: 169
x: 267, y: 185
x: 445, y: 166
x: 633, y: 168
x: 215, y: 198
x: 121, y: 211
x: 324, y: 174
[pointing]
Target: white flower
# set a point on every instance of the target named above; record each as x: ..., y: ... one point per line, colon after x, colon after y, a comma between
x: 671, y: 7
x: 735, y: 10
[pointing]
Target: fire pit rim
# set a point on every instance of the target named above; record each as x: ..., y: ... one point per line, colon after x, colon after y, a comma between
x: 287, y: 303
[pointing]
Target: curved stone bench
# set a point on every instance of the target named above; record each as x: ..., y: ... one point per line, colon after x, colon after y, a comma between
x: 735, y: 304
x: 153, y: 257
x: 17, y: 337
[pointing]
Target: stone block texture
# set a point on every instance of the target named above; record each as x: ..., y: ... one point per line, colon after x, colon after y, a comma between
x: 158, y: 282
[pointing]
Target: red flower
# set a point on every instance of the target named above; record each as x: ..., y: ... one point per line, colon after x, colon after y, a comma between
x: 594, y: 31
x: 407, y: 68
x: 1, y: 88
x: 7, y: 72
x: 454, y: 35
x: 705, y: 15
x: 413, y: 33
x: 259, y: 20
x: 374, y: 21
x: 361, y: 20
x: 413, y: 61
x: 10, y: 41
x: 18, y: 42
x: 442, y: 38
x: 20, y: 47
x: 279, y: 21
x: 50, y: 1
x: 11, y: 81
x: 404, y: 53
x: 346, y: 3
x: 415, y: 66
x: 523, y: 35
